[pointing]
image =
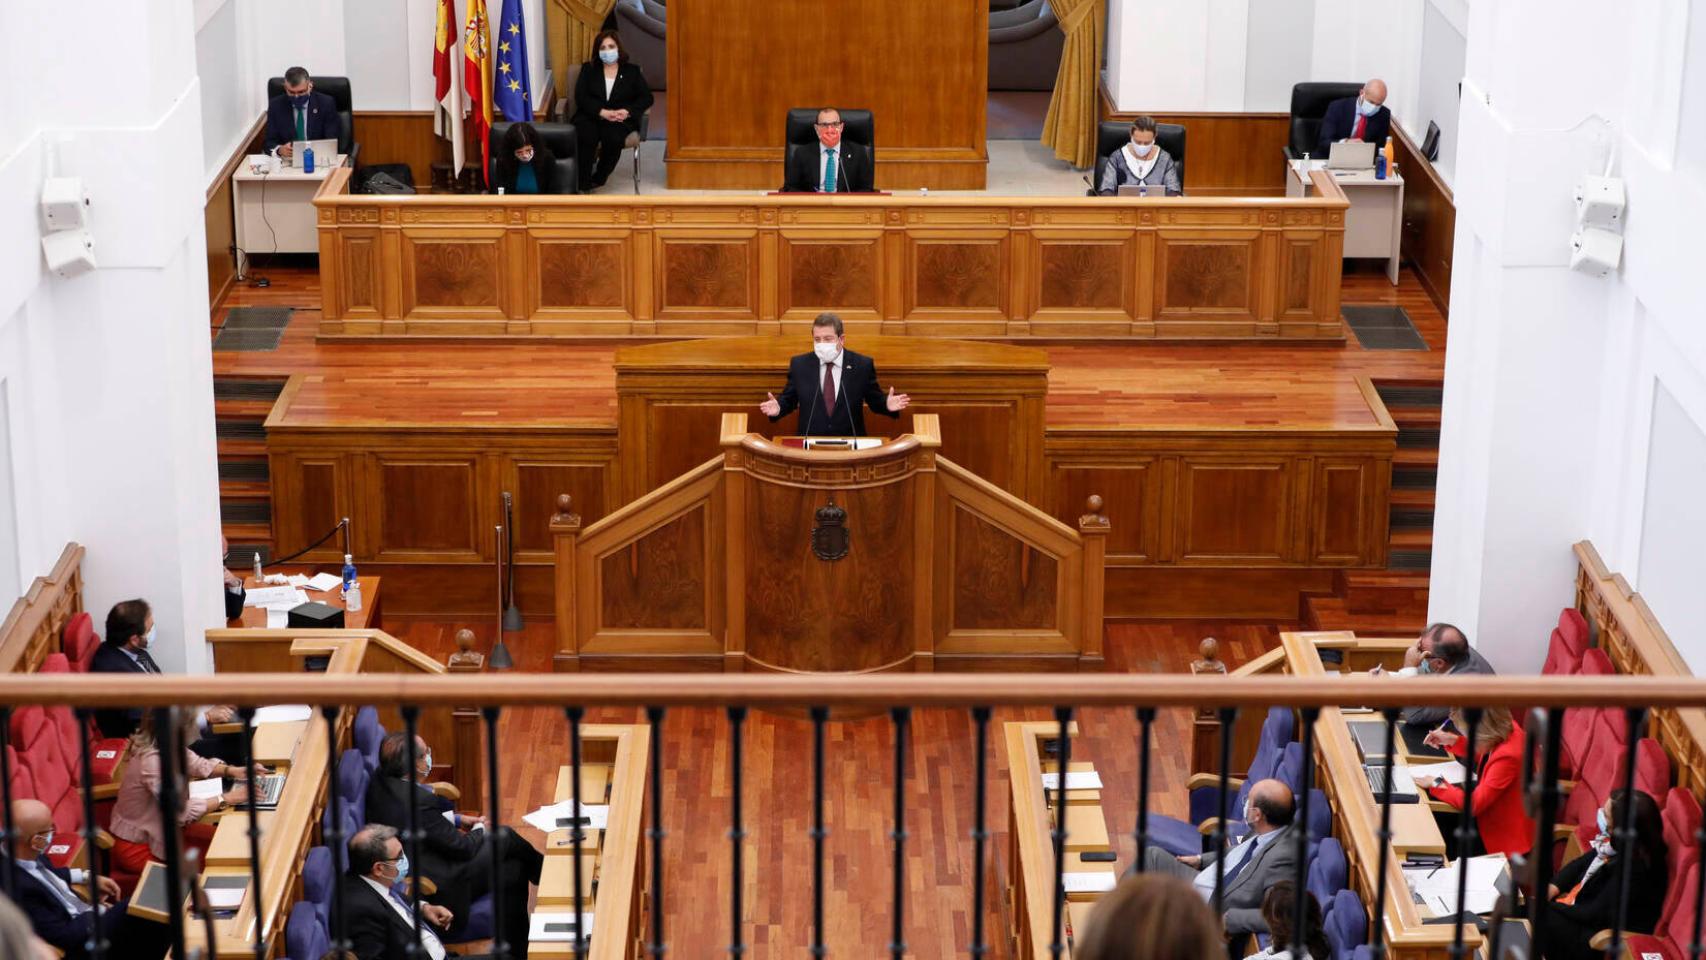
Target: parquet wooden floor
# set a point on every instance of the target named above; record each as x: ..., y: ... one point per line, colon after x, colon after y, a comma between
x: 859, y: 785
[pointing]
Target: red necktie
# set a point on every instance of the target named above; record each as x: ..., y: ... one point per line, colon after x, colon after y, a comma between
x: 1361, y: 122
x: 829, y: 388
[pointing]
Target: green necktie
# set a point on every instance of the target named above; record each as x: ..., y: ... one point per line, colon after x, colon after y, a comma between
x: 301, y: 123
x: 829, y: 172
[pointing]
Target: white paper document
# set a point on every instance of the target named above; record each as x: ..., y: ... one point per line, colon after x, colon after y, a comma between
x: 284, y: 713
x: 225, y: 898
x: 324, y: 581
x: 1101, y: 881
x: 557, y: 927
x: 1438, y: 888
x: 277, y: 618
x: 273, y: 596
x: 1086, y: 780
x: 545, y: 818
x: 1451, y: 770
x: 208, y: 789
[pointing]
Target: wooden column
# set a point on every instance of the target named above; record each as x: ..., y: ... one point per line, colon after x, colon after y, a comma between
x: 1205, y: 732
x: 468, y: 773
x: 565, y: 535
x: 1093, y: 527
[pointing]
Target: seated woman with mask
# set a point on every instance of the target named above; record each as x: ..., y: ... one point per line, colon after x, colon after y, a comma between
x: 524, y: 162
x: 1141, y: 161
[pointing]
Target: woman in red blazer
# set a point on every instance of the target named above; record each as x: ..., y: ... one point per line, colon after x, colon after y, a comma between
x: 1502, y: 826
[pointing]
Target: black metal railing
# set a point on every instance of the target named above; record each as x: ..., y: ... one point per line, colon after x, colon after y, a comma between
x: 900, y: 697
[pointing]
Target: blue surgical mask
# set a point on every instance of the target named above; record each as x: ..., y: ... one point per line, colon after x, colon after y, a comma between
x: 1142, y: 149
x: 148, y: 638
x: 402, y: 868
x: 1367, y: 109
x: 609, y: 56
x: 299, y: 101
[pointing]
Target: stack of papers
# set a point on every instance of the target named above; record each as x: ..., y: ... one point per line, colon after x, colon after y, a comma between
x: 1100, y: 881
x: 284, y: 713
x: 1438, y: 888
x: 545, y: 818
x: 268, y: 597
x: 1451, y: 770
x: 1086, y: 780
x: 225, y: 892
x: 557, y: 927
x: 324, y: 582
x: 209, y: 789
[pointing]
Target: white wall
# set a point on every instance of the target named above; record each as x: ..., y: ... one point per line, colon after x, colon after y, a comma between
x: 388, y: 49
x: 1550, y: 433
x: 1674, y: 525
x: 1443, y: 49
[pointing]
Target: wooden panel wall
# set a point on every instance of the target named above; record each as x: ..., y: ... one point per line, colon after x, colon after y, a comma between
x: 403, y: 136
x: 1226, y: 154
x: 736, y: 68
x: 1214, y: 268
x: 1430, y: 221
x: 218, y: 218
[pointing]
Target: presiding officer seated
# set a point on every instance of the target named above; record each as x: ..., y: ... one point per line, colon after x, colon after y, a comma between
x: 1362, y: 117
x: 300, y: 114
x: 611, y: 95
x: 1140, y: 161
x: 828, y: 166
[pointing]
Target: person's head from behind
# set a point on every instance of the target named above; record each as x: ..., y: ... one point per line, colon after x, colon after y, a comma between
x: 18, y: 939
x: 1493, y: 727
x: 298, y: 85
x: 1371, y: 96
x: 1151, y: 917
x: 1270, y: 806
x: 1143, y: 137
x: 1279, y: 909
x: 376, y: 853
x: 521, y: 141
x: 1443, y: 647
x: 607, y: 47
x: 130, y: 625
x: 828, y: 337
x: 1649, y: 846
x: 32, y: 828
x: 394, y: 756
x: 828, y: 126
x: 148, y: 734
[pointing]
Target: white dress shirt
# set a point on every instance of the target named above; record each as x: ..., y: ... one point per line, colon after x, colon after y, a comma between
x: 1204, y: 881
x: 609, y: 85
x: 74, y: 905
x: 429, y: 940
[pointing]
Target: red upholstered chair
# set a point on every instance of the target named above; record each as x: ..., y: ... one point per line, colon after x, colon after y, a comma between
x: 79, y: 642
x: 1580, y: 723
x: 106, y: 757
x: 54, y: 779
x: 1569, y: 641
x: 1669, y: 940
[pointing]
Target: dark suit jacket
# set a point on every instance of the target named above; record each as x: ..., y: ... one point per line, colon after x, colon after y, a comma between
x: 375, y: 929
x: 630, y: 93
x: 805, y: 392
x: 234, y: 603
x: 1434, y: 716
x: 125, y: 935
x: 1340, y: 120
x: 446, y: 852
x: 116, y: 722
x: 1242, y: 898
x: 323, y: 122
x: 852, y: 173
x: 1570, y: 926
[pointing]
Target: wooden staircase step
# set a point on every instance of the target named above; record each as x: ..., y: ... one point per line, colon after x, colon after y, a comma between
x: 1416, y: 457
x: 243, y: 489
x: 242, y: 409
x: 1386, y: 579
x: 1412, y: 498
x: 242, y: 448
x: 1425, y: 418
x: 1330, y: 613
x: 1412, y: 538
x: 249, y: 533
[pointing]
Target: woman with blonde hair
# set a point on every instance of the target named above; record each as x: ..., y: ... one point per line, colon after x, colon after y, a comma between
x: 1501, y: 823
x: 138, y: 834
x: 1151, y: 917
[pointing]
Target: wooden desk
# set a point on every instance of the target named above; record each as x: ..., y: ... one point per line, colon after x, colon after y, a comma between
x: 1192, y: 268
x: 367, y: 618
x: 1030, y: 861
x: 1374, y: 223
x: 276, y: 743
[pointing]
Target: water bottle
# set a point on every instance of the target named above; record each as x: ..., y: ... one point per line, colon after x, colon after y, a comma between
x: 352, y: 597
x: 307, y: 159
x: 349, y: 573
x: 1379, y: 166
x: 1142, y: 189
x: 257, y: 566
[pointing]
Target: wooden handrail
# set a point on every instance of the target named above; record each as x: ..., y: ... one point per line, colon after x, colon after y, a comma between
x: 30, y: 629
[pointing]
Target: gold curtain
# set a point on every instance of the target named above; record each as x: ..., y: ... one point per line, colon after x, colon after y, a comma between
x: 572, y: 24
x: 1070, y: 127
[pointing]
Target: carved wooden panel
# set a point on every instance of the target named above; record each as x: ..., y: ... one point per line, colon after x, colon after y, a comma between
x: 1084, y: 275
x: 658, y: 583
x: 314, y: 488
x: 1131, y: 498
x: 427, y: 508
x: 830, y: 275
x: 1234, y: 510
x: 459, y: 273
x: 583, y: 273
x: 959, y: 276
x: 537, y: 485
x: 1297, y: 273
x: 1339, y: 508
x: 1000, y: 583
x: 809, y: 614
x: 1209, y: 276
x: 681, y: 436
x: 360, y: 273
x: 707, y: 274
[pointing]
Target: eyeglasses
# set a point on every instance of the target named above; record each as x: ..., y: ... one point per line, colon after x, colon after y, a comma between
x: 837, y: 123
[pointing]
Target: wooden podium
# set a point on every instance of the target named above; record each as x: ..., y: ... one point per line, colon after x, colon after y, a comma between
x: 771, y: 557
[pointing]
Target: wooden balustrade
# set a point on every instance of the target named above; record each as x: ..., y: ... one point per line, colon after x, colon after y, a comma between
x: 33, y: 626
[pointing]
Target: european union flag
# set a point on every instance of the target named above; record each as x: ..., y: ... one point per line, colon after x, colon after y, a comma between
x: 512, y: 94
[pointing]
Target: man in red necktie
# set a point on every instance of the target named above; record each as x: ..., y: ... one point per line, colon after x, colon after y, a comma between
x: 1362, y: 117
x: 831, y: 386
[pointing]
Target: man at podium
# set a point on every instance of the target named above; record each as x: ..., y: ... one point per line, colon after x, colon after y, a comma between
x: 830, y: 384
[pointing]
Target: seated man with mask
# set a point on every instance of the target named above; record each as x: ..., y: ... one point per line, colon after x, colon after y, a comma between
x: 1266, y: 855
x: 1140, y: 161
x: 1441, y: 650
x: 300, y: 114
x: 1363, y: 117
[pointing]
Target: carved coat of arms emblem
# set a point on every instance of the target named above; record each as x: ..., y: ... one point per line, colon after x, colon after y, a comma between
x: 829, y: 535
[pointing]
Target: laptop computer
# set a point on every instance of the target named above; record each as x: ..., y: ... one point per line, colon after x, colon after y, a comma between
x: 1141, y: 190
x: 325, y: 153
x: 1403, y: 785
x: 1350, y: 155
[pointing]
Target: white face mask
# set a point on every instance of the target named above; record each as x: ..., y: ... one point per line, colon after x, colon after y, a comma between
x: 1249, y: 811
x: 1142, y: 149
x: 43, y: 843
x: 609, y: 56
x: 524, y: 156
x: 1367, y: 109
x: 148, y: 638
x: 826, y: 351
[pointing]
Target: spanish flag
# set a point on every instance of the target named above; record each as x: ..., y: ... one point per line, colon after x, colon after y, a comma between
x: 477, y: 72
x: 448, y: 113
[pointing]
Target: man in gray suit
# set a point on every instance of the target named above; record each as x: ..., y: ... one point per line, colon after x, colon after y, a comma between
x: 1140, y: 161
x: 1441, y: 650
x: 1266, y: 855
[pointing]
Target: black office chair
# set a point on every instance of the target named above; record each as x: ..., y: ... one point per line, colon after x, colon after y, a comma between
x: 1430, y: 143
x: 858, y: 129
x: 338, y: 89
x: 1309, y: 102
x: 559, y: 137
x: 1114, y: 134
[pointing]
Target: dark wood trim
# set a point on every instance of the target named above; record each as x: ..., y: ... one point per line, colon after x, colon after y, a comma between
x: 218, y: 222
x: 1430, y: 221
